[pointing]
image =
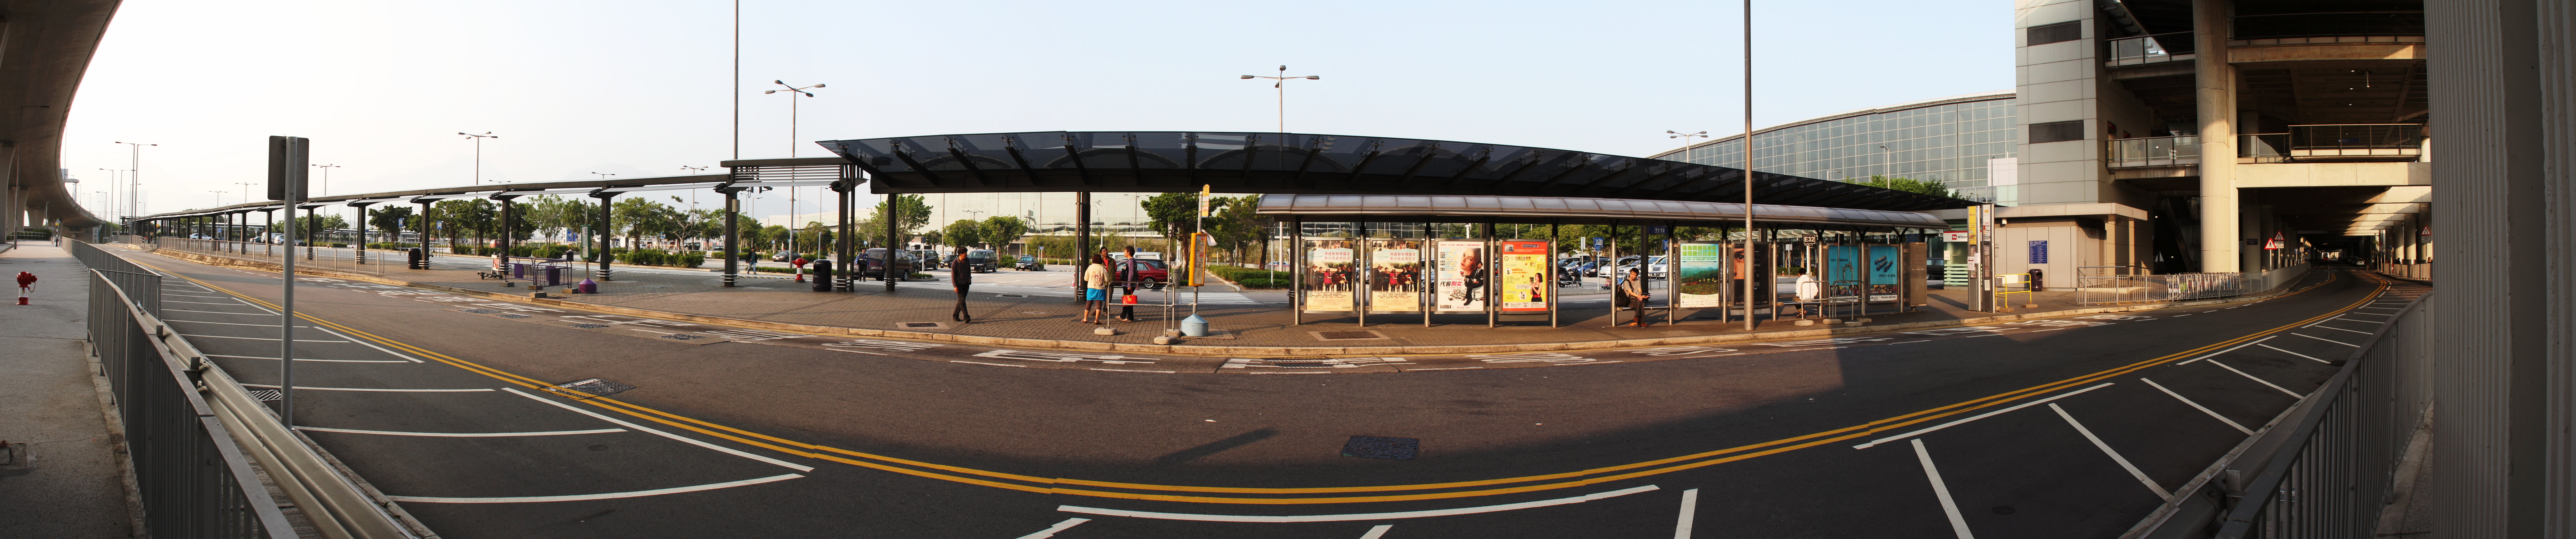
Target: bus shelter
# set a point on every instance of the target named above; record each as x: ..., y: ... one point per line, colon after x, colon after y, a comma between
x: 1407, y: 258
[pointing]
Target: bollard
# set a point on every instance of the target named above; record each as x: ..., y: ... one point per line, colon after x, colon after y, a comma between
x: 1194, y: 326
x: 587, y: 286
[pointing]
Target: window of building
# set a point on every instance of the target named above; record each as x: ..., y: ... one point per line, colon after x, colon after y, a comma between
x: 2057, y: 131
x: 2052, y: 33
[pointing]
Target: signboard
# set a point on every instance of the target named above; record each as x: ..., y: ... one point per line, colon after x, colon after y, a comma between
x: 1702, y: 278
x: 1842, y: 272
x: 2276, y: 242
x: 1329, y: 275
x: 1659, y: 229
x: 2038, y: 251
x: 1395, y: 275
x: 1959, y: 236
x: 1522, y: 280
x: 1462, y: 275
x: 1884, y: 275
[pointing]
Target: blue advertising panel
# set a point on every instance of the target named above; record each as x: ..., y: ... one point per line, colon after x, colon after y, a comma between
x: 1883, y: 273
x: 1842, y: 272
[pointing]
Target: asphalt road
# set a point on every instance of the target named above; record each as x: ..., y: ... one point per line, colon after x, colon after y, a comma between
x: 2033, y: 428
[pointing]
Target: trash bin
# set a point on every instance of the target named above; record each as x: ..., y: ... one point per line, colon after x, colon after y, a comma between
x: 554, y: 275
x: 823, y: 277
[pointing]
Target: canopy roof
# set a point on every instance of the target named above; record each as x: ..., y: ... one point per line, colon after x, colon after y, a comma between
x: 1301, y: 163
x: 1580, y: 211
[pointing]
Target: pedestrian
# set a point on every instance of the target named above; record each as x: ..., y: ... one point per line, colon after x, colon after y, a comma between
x: 960, y: 276
x: 1127, y: 280
x: 1633, y: 292
x: 1095, y: 289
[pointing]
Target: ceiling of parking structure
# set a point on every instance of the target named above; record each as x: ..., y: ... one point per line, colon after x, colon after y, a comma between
x: 1300, y: 163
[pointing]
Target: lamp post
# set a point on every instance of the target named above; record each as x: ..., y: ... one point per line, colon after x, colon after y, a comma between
x: 1282, y: 86
x: 603, y: 175
x: 1749, y: 261
x: 1686, y: 142
x: 135, y: 188
x: 793, y: 92
x: 114, y: 190
x: 478, y: 152
x: 326, y: 170
x: 693, y: 193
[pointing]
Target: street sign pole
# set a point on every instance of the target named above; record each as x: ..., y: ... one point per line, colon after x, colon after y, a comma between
x: 286, y: 164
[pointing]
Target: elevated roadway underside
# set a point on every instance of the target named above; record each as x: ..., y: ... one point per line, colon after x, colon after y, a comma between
x: 2073, y: 427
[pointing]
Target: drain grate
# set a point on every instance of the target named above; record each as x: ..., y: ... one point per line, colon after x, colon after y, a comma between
x: 589, y: 326
x: 589, y: 388
x: 921, y: 325
x: 1382, y: 447
x: 1346, y: 335
x: 265, y: 395
x: 481, y: 311
x: 508, y: 315
x: 680, y: 337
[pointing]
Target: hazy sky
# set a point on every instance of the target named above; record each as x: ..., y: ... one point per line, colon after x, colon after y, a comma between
x: 638, y: 88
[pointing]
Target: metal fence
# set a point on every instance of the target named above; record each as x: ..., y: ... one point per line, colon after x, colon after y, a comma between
x: 2113, y: 285
x: 371, y: 261
x: 192, y: 481
x: 2154, y: 151
x: 2327, y: 468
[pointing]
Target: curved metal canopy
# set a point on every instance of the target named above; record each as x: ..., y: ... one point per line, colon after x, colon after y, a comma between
x: 1583, y: 210
x: 1301, y: 163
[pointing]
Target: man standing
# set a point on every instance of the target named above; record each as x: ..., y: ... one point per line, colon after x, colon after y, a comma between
x: 960, y: 275
x: 1127, y: 280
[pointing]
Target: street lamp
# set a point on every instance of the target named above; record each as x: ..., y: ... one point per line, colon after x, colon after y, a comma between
x: 693, y: 193
x: 1686, y: 142
x: 478, y: 152
x: 115, y: 184
x: 219, y: 198
x: 603, y: 175
x: 793, y: 92
x: 326, y: 173
x: 1282, y: 86
x: 135, y: 190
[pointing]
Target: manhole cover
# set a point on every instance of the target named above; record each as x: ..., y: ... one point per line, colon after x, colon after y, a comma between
x: 589, y: 388
x: 589, y: 326
x: 481, y: 311
x: 507, y: 315
x: 264, y: 395
x: 1382, y: 447
x: 677, y: 337
x: 1346, y: 335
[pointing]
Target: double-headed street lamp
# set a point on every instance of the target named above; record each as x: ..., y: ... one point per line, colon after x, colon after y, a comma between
x: 1282, y: 86
x: 134, y: 192
x: 478, y: 152
x: 326, y: 172
x: 603, y: 175
x: 793, y: 92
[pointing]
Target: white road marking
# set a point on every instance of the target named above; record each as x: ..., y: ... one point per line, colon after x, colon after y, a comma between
x: 1377, y: 531
x: 1690, y: 512
x: 465, y: 434
x: 982, y: 363
x: 1130, y: 370
x: 2342, y: 329
x: 1874, y: 443
x: 2330, y: 340
x: 612, y: 495
x: 2371, y: 314
x: 2256, y: 341
x: 2300, y: 355
x: 1958, y: 524
x: 249, y: 338
x: 203, y: 303
x: 232, y: 324
x: 1355, y: 516
x: 374, y: 389
x: 220, y: 312
x: 2361, y: 321
x: 1060, y: 526
x: 641, y: 428
x: 310, y: 359
x: 2197, y: 406
x: 2115, y: 455
x: 1465, y: 368
x: 373, y: 345
x: 2293, y: 394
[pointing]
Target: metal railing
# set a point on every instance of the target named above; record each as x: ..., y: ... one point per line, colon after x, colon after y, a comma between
x: 2327, y: 467
x: 2356, y: 140
x: 199, y: 441
x: 2154, y: 151
x: 2112, y: 285
x: 191, y: 479
x: 371, y: 261
x: 2150, y: 49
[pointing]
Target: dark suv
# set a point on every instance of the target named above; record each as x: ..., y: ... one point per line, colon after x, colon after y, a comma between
x: 980, y: 261
x: 873, y: 263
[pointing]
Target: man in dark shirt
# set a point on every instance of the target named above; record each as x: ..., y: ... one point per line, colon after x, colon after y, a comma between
x: 960, y: 275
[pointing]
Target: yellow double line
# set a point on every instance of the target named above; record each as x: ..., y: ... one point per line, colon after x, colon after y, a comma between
x: 1080, y: 487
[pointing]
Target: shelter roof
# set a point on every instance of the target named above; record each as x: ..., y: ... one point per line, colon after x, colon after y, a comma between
x: 1582, y: 210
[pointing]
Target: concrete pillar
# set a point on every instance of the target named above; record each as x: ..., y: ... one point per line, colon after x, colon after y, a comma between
x: 2220, y: 234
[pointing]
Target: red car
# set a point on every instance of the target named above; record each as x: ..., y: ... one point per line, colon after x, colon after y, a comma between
x: 1147, y: 271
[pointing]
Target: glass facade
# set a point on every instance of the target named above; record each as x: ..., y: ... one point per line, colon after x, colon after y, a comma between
x: 1946, y: 140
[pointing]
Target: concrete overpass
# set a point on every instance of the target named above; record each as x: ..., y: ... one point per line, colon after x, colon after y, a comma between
x: 45, y: 48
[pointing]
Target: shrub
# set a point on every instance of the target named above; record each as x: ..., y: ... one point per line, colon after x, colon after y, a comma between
x: 1263, y: 283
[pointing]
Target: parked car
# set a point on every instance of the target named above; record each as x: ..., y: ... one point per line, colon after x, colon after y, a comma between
x: 874, y: 263
x: 1140, y: 255
x: 981, y: 261
x: 1148, y: 270
x: 1029, y: 263
x: 1654, y: 265
x: 783, y: 256
x: 931, y: 259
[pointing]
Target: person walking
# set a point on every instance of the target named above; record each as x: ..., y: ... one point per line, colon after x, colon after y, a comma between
x: 1632, y: 291
x: 1095, y: 289
x: 1127, y: 281
x: 961, y: 275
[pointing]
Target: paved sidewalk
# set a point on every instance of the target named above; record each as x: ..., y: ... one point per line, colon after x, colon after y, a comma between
x: 1038, y: 311
x: 65, y: 480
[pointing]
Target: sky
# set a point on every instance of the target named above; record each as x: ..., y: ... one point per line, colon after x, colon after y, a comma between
x: 639, y: 88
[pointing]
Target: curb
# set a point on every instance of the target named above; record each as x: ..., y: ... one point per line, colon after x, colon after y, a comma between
x: 1184, y: 349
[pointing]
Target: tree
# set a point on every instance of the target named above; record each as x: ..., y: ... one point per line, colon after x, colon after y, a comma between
x: 1174, y: 215
x: 962, y: 233
x: 1001, y: 229
x: 1910, y: 185
x: 637, y: 217
x: 392, y: 217
x: 1236, y: 225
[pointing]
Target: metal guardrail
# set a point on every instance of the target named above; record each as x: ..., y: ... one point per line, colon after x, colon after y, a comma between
x: 370, y: 261
x: 198, y: 440
x: 2154, y: 151
x: 2098, y: 289
x: 2327, y: 467
x: 2150, y: 49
